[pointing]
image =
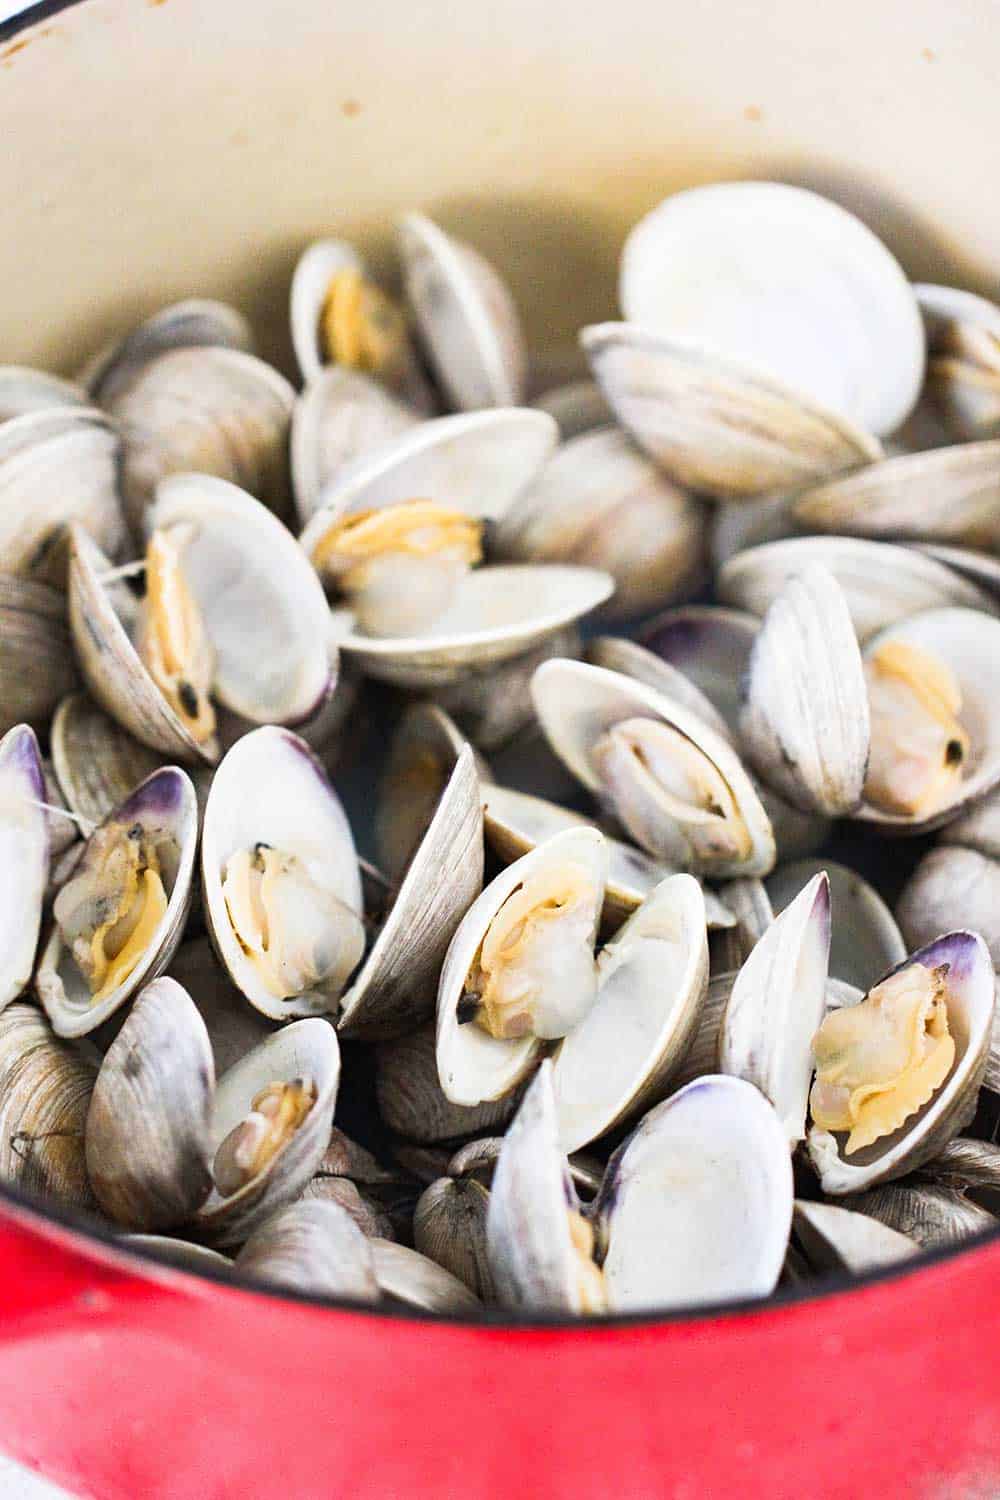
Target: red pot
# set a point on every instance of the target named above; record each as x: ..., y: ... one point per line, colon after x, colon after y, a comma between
x: 158, y: 149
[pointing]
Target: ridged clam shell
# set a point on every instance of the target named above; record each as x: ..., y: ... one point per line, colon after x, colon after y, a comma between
x: 407, y: 1278
x: 424, y: 752
x: 24, y: 858
x: 963, y: 374
x: 618, y: 654
x: 312, y: 1247
x: 45, y: 1087
x: 411, y: 1101
x: 96, y: 762
x: 935, y: 1217
x: 838, y: 1239
x: 37, y: 666
x: 952, y: 885
x: 449, y: 1227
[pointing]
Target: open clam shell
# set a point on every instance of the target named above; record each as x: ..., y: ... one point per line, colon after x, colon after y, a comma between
x: 313, y: 1247
x: 883, y: 584
x: 952, y: 885
x: 967, y: 643
x: 618, y: 654
x: 58, y: 465
x: 339, y: 419
x: 709, y: 646
x: 45, y: 1087
x: 424, y: 752
x: 652, y: 981
x: 714, y: 424
x: 147, y: 1126
x: 969, y: 999
x: 601, y: 502
x: 865, y: 940
x: 195, y: 322
x: 577, y: 704
x: 839, y: 1239
x: 466, y: 317
x: 305, y: 1051
x: 946, y: 495
x: 963, y: 370
x: 515, y: 823
x: 474, y: 1065
x: 270, y: 791
x: 24, y: 858
x: 532, y: 1213
x: 813, y: 296
x: 578, y: 406
x: 721, y: 1231
x: 411, y: 1102
x: 776, y: 1005
x: 161, y: 816
x: 37, y: 666
x: 318, y: 266
x: 207, y: 410
x: 409, y: 1279
x: 804, y: 723
x: 23, y: 390
x: 394, y: 989
x: 498, y: 613
x: 96, y: 762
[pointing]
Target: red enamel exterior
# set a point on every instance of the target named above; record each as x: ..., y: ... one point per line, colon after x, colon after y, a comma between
x: 124, y: 1385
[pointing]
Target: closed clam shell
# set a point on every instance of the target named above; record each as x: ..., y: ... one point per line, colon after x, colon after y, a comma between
x: 530, y: 1248
x: 394, y: 989
x: 839, y: 1239
x: 45, y: 1087
x: 304, y: 1050
x: 215, y: 411
x: 449, y: 1227
x: 777, y: 1003
x: 195, y: 322
x: 147, y: 1126
x: 804, y: 723
x: 601, y: 502
x: 969, y: 986
x: 58, y: 466
x: 967, y: 643
x: 164, y: 807
x: 722, y: 1230
x: 935, y: 1217
x: 234, y: 1027
x: 24, y: 858
x: 785, y: 278
x: 364, y: 1207
x: 947, y: 495
x: 184, y: 1255
x: 407, y: 1278
x: 474, y: 1066
x: 97, y: 763
x: 652, y: 981
x: 339, y: 419
x: 883, y: 584
x: 498, y: 613
x: 978, y: 827
x: 952, y: 885
x: 865, y: 941
x: 578, y: 406
x: 412, y: 1103
x: 466, y: 316
x: 312, y: 1247
x: 577, y: 703
x: 515, y: 823
x: 37, y: 666
x: 23, y: 390
x: 713, y: 424
x: 618, y: 654
x: 494, y: 705
x: 478, y: 1159
x: 301, y: 816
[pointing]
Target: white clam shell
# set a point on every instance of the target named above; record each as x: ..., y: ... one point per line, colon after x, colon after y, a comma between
x: 716, y: 425
x: 865, y: 940
x: 304, y: 1049
x: 950, y: 886
x: 709, y: 646
x: 882, y: 583
x: 24, y: 858
x: 472, y: 1065
x: 165, y: 800
x: 411, y: 1102
x: 839, y: 1239
x: 195, y: 322
x: 804, y: 723
x: 45, y: 1087
x: 788, y: 280
x: 315, y: 269
x: 578, y: 406
x: 466, y: 317
x: 970, y: 1005
x: 405, y: 1276
x: 721, y: 1230
x: 618, y: 654
x: 37, y: 665
x: 339, y: 419
x: 313, y: 1247
x: 301, y: 815
x: 576, y: 703
x: 23, y: 389
x: 777, y: 1003
x: 652, y: 980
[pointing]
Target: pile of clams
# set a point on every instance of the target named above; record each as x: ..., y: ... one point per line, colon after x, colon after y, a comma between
x: 467, y: 841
